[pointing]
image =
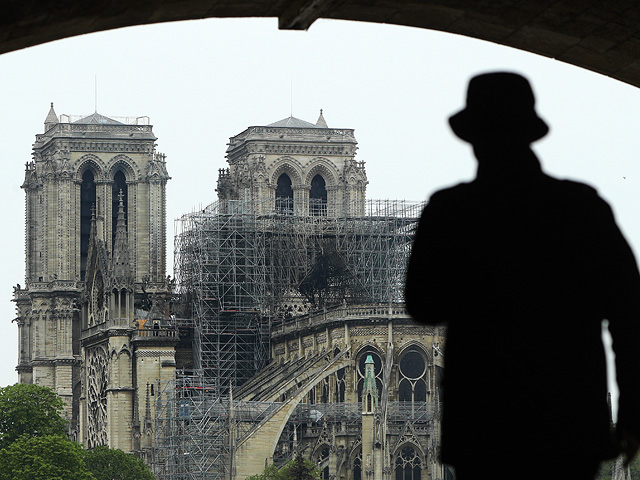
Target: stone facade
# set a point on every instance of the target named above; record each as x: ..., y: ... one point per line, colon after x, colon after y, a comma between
x: 95, y: 241
x: 354, y: 385
x: 296, y: 166
x: 374, y: 415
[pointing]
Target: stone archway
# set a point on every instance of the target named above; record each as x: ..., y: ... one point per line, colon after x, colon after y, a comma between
x: 597, y: 35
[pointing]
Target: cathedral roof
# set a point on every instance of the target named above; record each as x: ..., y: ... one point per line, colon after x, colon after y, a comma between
x: 293, y: 122
x: 96, y: 118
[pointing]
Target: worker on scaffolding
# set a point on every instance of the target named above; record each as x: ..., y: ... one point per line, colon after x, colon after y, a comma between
x: 523, y: 269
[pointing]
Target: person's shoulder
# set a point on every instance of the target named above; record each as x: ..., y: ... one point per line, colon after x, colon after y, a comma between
x: 578, y: 196
x: 574, y: 189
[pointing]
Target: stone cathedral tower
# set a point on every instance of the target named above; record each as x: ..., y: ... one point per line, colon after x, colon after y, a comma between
x: 300, y: 167
x: 95, y: 242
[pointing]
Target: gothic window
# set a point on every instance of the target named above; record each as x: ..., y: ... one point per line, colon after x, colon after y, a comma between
x: 284, y: 195
x: 341, y: 384
x: 357, y: 467
x: 408, y: 465
x: 324, y: 389
x: 318, y: 196
x: 377, y: 369
x: 87, y: 204
x: 324, y: 460
x: 412, y: 385
x: 119, y: 184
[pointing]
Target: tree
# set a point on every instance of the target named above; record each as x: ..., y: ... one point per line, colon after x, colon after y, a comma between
x: 112, y: 464
x: 270, y: 473
x: 296, y: 469
x: 29, y: 410
x: 49, y: 457
x: 300, y: 469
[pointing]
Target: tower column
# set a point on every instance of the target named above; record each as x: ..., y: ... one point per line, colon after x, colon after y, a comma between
x: 301, y: 199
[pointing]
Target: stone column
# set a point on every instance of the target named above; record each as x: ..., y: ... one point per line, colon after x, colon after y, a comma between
x: 301, y: 199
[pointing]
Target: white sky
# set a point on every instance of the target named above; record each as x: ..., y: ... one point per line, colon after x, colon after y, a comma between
x: 202, y: 82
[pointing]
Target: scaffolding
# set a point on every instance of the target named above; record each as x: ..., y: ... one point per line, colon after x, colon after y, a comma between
x: 191, y: 431
x: 238, y: 271
x: 241, y: 267
x: 221, y: 276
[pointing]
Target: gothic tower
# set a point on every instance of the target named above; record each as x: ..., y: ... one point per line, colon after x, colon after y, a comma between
x: 97, y: 177
x: 295, y: 167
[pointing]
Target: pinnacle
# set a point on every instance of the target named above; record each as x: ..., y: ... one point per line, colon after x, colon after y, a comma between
x: 321, y: 121
x: 51, y: 120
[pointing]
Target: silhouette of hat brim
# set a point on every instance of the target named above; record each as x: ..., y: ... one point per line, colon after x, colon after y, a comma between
x: 499, y: 105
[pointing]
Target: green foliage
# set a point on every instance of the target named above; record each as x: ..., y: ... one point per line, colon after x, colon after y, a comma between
x: 300, y: 469
x: 270, y: 473
x: 606, y: 469
x: 296, y: 469
x: 29, y: 410
x: 112, y: 464
x: 50, y: 457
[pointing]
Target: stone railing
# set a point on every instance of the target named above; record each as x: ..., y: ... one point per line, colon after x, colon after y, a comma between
x: 54, y: 284
x: 166, y: 332
x: 340, y: 313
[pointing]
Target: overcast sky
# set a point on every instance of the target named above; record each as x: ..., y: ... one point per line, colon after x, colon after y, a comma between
x: 201, y: 82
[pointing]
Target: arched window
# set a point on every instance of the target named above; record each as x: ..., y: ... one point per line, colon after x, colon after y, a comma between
x: 324, y: 395
x: 87, y: 204
x: 341, y: 384
x: 408, y: 465
x: 412, y: 377
x: 323, y: 462
x: 119, y: 184
x: 318, y: 196
x: 377, y: 370
x: 284, y: 195
x: 357, y: 467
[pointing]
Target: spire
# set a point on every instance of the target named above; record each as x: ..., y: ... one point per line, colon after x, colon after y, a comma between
x: 93, y: 232
x: 321, y: 121
x: 51, y: 120
x: 369, y: 389
x: 120, y: 267
x: 94, y: 229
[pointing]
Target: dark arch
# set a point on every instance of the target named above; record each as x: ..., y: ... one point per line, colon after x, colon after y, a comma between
x: 412, y: 375
x: 318, y: 196
x: 87, y: 206
x: 586, y: 34
x: 357, y: 466
x: 408, y: 465
x: 284, y: 194
x: 119, y: 185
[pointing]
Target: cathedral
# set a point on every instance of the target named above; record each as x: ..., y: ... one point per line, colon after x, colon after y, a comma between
x: 282, y: 333
x: 92, y: 315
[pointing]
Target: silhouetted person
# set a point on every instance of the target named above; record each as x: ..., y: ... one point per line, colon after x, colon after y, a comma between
x: 523, y: 268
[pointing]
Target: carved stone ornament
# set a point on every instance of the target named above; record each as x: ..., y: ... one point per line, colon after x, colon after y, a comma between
x: 97, y: 383
x: 157, y: 169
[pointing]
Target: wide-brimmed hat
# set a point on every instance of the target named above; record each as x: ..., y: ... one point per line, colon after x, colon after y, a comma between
x: 500, y: 105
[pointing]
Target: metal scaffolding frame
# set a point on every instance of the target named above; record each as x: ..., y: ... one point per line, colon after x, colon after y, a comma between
x: 191, y: 431
x: 236, y: 268
x: 221, y: 276
x: 239, y: 268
